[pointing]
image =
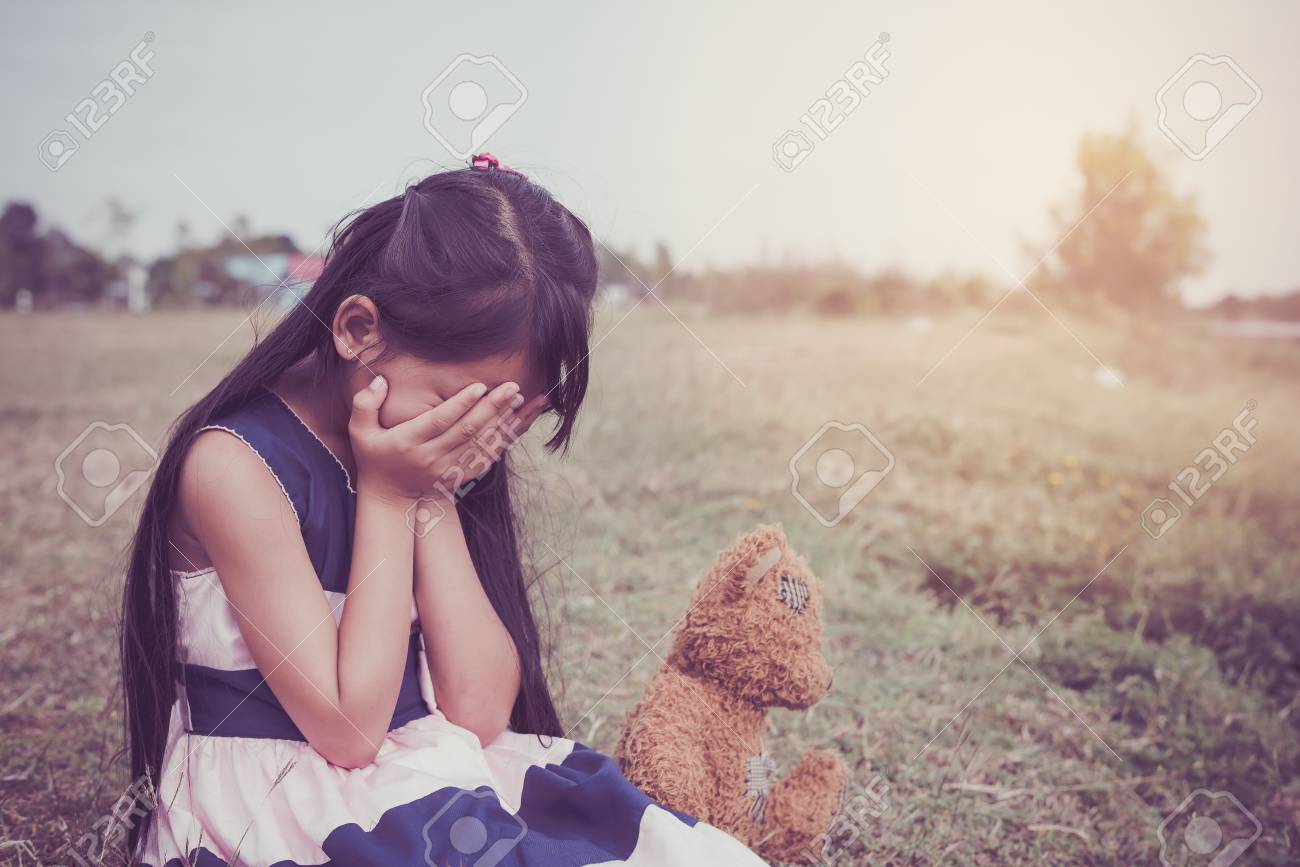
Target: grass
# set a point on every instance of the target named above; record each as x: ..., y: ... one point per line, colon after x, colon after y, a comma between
x: 1157, y: 666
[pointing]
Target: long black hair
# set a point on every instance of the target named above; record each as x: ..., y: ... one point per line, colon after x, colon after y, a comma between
x: 464, y: 265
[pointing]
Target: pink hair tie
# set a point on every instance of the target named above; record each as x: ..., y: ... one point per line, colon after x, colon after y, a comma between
x: 485, y: 162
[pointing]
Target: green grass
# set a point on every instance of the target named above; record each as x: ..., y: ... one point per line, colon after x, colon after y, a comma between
x: 1018, y: 478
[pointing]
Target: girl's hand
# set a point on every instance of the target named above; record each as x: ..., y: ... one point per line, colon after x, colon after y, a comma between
x: 484, y: 449
x: 425, y: 456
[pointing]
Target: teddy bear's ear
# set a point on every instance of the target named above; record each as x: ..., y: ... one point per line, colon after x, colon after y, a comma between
x: 751, y: 556
x: 766, y: 560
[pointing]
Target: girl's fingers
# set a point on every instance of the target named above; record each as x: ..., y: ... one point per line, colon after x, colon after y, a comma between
x: 365, y: 406
x: 479, y: 417
x: 473, y: 459
x: 486, y: 448
x: 434, y: 422
x: 510, y: 426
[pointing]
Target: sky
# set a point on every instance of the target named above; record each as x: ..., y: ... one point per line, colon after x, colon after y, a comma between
x: 658, y: 121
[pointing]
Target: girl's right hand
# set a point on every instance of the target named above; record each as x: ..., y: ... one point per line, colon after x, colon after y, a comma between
x: 422, y: 457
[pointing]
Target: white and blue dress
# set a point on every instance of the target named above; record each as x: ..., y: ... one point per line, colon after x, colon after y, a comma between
x: 241, y: 786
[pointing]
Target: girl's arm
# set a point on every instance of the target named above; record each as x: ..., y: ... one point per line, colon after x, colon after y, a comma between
x: 472, y: 658
x: 339, y: 686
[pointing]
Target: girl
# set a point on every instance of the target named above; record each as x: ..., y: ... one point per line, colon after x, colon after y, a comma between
x: 328, y: 651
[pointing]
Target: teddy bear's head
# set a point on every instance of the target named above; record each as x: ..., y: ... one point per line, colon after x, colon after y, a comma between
x: 754, y: 625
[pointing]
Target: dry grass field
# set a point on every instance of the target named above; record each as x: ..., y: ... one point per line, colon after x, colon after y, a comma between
x: 1150, y: 668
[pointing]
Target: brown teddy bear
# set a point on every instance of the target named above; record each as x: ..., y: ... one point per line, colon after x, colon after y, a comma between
x: 750, y: 640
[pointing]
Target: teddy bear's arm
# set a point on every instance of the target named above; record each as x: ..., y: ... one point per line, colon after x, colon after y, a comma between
x: 802, y: 806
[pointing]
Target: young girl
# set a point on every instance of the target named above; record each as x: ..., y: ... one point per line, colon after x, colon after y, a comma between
x: 328, y: 652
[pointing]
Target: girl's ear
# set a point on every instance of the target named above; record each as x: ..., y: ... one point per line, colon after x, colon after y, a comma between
x: 356, y: 327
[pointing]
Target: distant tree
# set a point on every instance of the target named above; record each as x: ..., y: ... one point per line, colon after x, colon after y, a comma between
x: 951, y: 289
x: 1128, y: 238
x: 73, y: 274
x: 121, y: 220
x: 621, y: 268
x: 240, y: 226
x: 1283, y: 307
x: 21, y: 251
x: 1231, y: 307
x: 49, y: 264
x: 663, y: 271
x: 890, y: 291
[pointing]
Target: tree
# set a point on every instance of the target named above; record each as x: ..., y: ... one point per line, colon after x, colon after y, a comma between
x: 1128, y: 238
x: 21, y: 252
x: 73, y: 274
x: 621, y: 268
x: 49, y: 264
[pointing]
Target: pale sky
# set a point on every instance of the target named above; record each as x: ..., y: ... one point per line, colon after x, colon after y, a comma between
x: 658, y: 120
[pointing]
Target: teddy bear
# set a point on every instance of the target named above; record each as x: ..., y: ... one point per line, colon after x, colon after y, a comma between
x: 750, y: 640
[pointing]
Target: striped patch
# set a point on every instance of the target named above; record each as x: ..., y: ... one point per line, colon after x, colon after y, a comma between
x: 758, y: 780
x: 794, y: 592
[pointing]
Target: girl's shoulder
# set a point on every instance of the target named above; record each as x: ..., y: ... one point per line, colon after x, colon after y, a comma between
x: 246, y: 458
x: 299, y: 462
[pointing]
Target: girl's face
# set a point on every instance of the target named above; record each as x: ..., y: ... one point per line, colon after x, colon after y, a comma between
x: 416, y: 385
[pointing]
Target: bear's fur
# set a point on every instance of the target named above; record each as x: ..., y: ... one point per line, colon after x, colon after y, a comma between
x: 750, y: 640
